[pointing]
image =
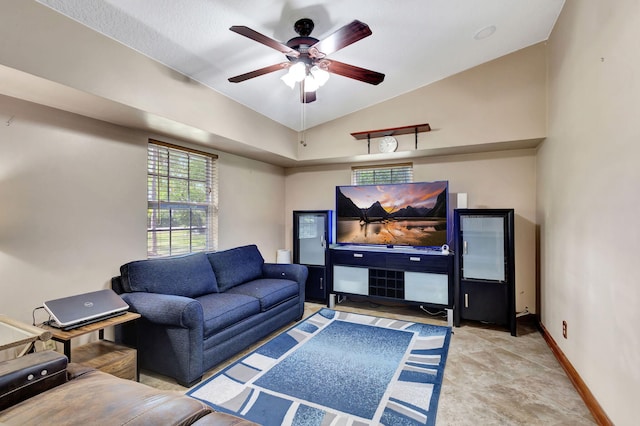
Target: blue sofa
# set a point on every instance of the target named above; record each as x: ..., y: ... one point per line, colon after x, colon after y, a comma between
x: 202, y: 308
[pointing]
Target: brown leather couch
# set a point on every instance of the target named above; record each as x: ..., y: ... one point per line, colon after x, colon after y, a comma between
x: 41, y: 388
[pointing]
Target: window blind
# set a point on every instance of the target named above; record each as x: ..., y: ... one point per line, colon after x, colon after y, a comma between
x: 374, y: 175
x: 182, y: 200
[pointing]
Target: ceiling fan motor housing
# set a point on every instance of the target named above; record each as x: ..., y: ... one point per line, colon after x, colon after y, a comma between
x: 303, y: 27
x: 301, y: 44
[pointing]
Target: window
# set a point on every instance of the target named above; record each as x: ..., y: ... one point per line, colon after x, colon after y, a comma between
x: 390, y: 173
x: 182, y: 200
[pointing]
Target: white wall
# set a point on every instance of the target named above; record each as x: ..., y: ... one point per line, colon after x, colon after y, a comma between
x: 588, y: 199
x: 492, y: 180
x: 73, y: 204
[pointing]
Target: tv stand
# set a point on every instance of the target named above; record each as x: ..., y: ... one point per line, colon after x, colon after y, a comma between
x: 415, y: 276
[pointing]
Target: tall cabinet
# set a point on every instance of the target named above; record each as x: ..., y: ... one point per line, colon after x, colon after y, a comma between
x: 485, y: 266
x: 311, y: 239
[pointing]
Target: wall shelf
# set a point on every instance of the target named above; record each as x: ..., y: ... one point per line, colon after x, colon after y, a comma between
x: 393, y: 131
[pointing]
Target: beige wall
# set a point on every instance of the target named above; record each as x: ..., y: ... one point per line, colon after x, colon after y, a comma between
x: 588, y: 200
x: 90, y: 72
x: 72, y: 189
x: 73, y: 204
x: 491, y: 180
x: 503, y: 101
x: 85, y: 72
x: 251, y: 198
x: 500, y: 101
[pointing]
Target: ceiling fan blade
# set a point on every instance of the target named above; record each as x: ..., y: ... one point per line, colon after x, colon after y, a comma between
x: 343, y: 37
x: 357, y: 73
x: 306, y: 97
x: 267, y: 41
x: 259, y: 72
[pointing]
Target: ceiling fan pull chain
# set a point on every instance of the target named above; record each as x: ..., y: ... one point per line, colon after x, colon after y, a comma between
x: 303, y: 141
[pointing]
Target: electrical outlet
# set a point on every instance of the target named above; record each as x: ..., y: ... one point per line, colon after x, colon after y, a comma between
x: 564, y: 329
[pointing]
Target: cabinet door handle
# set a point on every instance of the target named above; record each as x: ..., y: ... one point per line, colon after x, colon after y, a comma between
x: 465, y: 247
x: 414, y: 259
x: 358, y: 255
x: 321, y: 287
x: 466, y: 300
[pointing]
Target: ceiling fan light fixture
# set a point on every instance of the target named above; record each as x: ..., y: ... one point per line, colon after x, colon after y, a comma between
x: 298, y: 71
x: 310, y: 84
x: 319, y: 75
x: 289, y: 80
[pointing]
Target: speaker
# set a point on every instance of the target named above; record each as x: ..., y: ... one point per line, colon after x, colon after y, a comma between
x: 462, y: 200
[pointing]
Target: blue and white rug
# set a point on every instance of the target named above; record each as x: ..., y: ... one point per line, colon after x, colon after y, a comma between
x: 337, y: 368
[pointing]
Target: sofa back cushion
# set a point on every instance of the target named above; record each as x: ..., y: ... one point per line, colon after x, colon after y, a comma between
x: 236, y: 266
x: 190, y: 276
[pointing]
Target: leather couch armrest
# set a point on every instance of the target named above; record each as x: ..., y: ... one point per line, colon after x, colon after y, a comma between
x: 75, y: 370
x: 221, y: 419
x: 26, y: 376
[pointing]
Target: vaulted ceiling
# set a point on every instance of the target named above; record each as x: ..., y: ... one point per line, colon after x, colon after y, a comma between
x: 413, y: 42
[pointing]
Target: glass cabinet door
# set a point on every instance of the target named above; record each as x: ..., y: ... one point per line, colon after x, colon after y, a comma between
x: 483, y: 247
x: 311, y: 238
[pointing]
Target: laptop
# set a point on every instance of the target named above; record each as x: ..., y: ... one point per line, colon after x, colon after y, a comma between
x: 75, y: 311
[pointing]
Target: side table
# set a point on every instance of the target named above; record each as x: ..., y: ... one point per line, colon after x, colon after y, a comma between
x: 15, y: 333
x: 104, y: 355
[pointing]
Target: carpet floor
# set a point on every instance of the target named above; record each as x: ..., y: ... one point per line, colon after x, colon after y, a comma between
x: 492, y: 378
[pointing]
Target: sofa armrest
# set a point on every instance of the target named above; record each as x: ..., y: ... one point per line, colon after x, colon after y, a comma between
x: 218, y: 418
x: 26, y: 376
x: 75, y: 370
x: 98, y: 398
x: 287, y: 271
x: 166, y: 309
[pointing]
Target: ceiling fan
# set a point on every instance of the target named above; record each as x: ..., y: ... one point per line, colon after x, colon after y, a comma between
x: 307, y: 57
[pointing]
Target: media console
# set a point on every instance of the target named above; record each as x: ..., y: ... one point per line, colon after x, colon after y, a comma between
x: 415, y: 276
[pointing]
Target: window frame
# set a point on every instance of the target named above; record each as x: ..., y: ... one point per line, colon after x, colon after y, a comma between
x: 397, y: 173
x: 174, y: 169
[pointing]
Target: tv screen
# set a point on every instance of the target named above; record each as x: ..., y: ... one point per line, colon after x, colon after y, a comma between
x: 407, y: 214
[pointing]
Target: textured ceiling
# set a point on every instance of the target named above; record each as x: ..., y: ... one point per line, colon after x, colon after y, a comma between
x: 414, y: 42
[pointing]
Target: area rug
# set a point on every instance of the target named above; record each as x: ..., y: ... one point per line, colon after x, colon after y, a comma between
x: 336, y: 368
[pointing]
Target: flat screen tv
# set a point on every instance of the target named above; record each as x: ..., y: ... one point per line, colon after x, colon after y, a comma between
x: 407, y: 214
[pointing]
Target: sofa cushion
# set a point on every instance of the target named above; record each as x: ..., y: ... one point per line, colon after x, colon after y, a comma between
x: 222, y: 310
x: 190, y: 276
x: 236, y: 266
x: 269, y: 291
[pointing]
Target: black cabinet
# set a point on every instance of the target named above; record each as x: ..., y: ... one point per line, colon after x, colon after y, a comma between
x: 488, y: 302
x: 311, y: 238
x: 485, y: 266
x: 316, y: 287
